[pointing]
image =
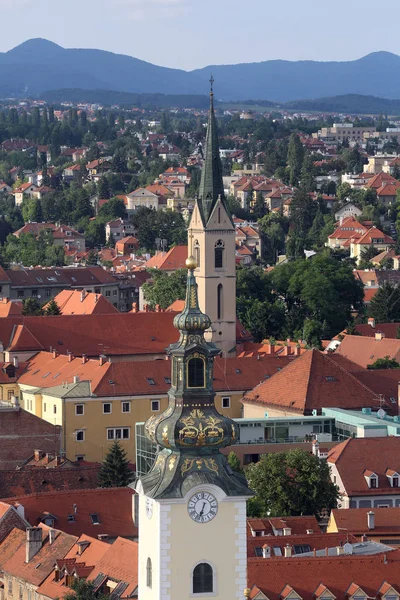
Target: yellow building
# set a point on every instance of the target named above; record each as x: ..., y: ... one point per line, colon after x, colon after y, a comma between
x: 96, y: 402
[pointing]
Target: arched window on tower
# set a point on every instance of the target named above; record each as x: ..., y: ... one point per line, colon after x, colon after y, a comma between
x: 196, y: 251
x: 196, y: 372
x: 219, y: 254
x: 203, y: 579
x: 220, y: 296
x: 149, y: 573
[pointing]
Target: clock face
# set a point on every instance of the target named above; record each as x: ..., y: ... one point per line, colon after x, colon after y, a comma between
x: 202, y: 507
x: 149, y: 507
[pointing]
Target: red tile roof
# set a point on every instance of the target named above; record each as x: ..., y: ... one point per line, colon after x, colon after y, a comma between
x: 312, y: 381
x: 74, y: 302
x: 365, y: 350
x: 355, y: 520
x: 377, y: 181
x: 374, y: 236
x: 8, y: 307
x: 316, y: 541
x: 388, y: 329
x: 356, y: 455
x: 121, y: 563
x: 168, y: 261
x: 298, y: 525
x: 338, y: 574
x: 113, y: 507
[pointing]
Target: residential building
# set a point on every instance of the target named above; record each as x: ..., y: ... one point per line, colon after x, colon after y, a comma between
x: 347, y: 210
x: 380, y: 524
x: 341, y: 132
x: 119, y: 228
x: 63, y: 235
x: 72, y: 302
x: 127, y: 245
x: 4, y: 188
x: 378, y: 163
x: 71, y: 173
x: 96, y: 402
x: 348, y: 229
x: 96, y: 168
x: 372, y: 238
x: 366, y: 472
x: 365, y: 351
x: 25, y: 190
x: 179, y: 172
x: 141, y: 197
x: 105, y: 512
x: 10, y: 518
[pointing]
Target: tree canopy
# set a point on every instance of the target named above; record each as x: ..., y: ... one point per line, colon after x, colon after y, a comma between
x: 115, y: 471
x: 385, y: 305
x: 292, y: 483
x: 164, y: 289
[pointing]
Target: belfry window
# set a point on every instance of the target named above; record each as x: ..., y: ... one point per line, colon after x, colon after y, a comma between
x: 219, y: 254
x: 220, y: 291
x: 149, y: 573
x: 203, y: 579
x: 196, y: 251
x: 196, y: 373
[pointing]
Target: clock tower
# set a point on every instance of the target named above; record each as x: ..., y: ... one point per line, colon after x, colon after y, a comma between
x: 192, y: 506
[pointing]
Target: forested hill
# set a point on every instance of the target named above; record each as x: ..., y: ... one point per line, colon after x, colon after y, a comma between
x: 38, y: 65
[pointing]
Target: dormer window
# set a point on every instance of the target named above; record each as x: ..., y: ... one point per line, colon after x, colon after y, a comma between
x: 393, y: 478
x: 371, y: 479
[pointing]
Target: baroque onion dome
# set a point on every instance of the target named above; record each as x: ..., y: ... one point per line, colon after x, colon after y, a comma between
x: 191, y: 430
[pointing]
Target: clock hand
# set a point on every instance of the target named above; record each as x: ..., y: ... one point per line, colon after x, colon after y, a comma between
x: 202, y: 510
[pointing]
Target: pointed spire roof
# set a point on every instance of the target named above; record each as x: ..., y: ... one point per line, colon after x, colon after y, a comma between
x: 211, y: 185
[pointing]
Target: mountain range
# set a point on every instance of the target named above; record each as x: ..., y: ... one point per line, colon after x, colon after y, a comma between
x: 37, y: 66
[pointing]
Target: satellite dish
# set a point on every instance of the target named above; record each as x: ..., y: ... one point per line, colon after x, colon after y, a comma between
x: 348, y: 548
x: 381, y: 414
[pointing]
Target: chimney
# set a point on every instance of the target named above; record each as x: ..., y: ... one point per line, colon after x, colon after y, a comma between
x: 84, y: 358
x: 266, y: 551
x: 286, y: 351
x: 271, y: 349
x: 83, y: 294
x: 38, y: 454
x: 297, y: 350
x: 379, y: 335
x: 69, y: 356
x: 52, y: 536
x: 371, y: 322
x: 339, y: 550
x: 364, y: 538
x: 56, y: 573
x: 102, y: 359
x: 55, y: 354
x: 288, y: 551
x: 134, y: 307
x: 315, y: 447
x: 96, y: 298
x: 371, y: 519
x: 287, y: 531
x: 158, y: 308
x: 33, y: 542
x: 76, y: 378
x: 47, y: 458
x: 16, y: 362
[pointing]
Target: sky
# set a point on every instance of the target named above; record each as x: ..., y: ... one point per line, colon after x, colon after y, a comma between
x: 190, y: 34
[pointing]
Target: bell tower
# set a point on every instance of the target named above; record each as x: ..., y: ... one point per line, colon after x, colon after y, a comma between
x: 211, y: 240
x: 192, y: 505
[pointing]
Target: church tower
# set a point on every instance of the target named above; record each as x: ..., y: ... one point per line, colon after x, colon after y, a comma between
x: 211, y: 240
x: 192, y: 506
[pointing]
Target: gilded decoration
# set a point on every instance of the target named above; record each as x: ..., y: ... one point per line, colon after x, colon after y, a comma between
x: 165, y: 437
x: 171, y: 462
x: 199, y: 464
x: 199, y: 430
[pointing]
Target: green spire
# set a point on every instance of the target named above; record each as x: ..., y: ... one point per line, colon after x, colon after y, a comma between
x: 211, y: 185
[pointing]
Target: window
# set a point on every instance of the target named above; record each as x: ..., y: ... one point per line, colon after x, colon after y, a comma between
x: 79, y: 409
x: 196, y: 373
x: 21, y: 593
x: 203, y: 579
x: 107, y: 408
x: 10, y: 587
x: 395, y: 482
x: 80, y: 435
x: 226, y: 402
x: 155, y: 405
x: 219, y: 301
x: 149, y: 573
x: 373, y: 481
x: 79, y: 457
x: 34, y: 293
x: 10, y: 394
x: 108, y: 293
x: 126, y: 407
x: 20, y: 293
x: 115, y: 292
x: 219, y: 254
x: 44, y: 407
x: 150, y: 381
x: 55, y: 409
x: 48, y: 293
x: 196, y: 250
x: 300, y: 548
x: 95, y: 519
x: 118, y: 433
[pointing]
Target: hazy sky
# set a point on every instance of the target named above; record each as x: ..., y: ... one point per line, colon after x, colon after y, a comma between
x: 194, y: 33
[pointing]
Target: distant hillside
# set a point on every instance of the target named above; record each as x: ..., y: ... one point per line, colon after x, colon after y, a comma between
x: 38, y: 65
x: 351, y: 103
x: 109, y: 97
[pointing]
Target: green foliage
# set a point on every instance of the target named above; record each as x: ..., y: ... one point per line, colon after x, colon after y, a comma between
x: 29, y: 250
x: 84, y: 590
x: 153, y: 224
x: 30, y: 307
x: 234, y: 462
x: 164, y: 289
x: 295, y: 158
x: 302, y: 213
x: 292, y: 483
x: 385, y: 305
x: 384, y: 363
x: 52, y: 308
x: 273, y: 229
x: 115, y: 208
x: 115, y: 471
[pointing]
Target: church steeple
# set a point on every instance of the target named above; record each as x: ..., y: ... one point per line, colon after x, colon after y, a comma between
x: 191, y: 431
x: 211, y: 185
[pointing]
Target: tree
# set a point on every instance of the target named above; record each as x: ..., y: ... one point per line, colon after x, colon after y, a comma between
x: 52, y: 308
x: 385, y: 305
x: 384, y: 363
x: 164, y: 289
x: 307, y: 173
x: 30, y: 307
x: 292, y: 483
x: 234, y: 462
x: 295, y: 158
x: 84, y: 590
x: 115, y: 471
x: 260, y: 209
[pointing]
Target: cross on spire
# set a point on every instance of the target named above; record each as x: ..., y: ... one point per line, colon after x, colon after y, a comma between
x: 211, y: 84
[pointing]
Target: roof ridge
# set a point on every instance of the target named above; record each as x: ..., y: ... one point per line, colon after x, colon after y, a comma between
x: 351, y: 374
x: 65, y: 492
